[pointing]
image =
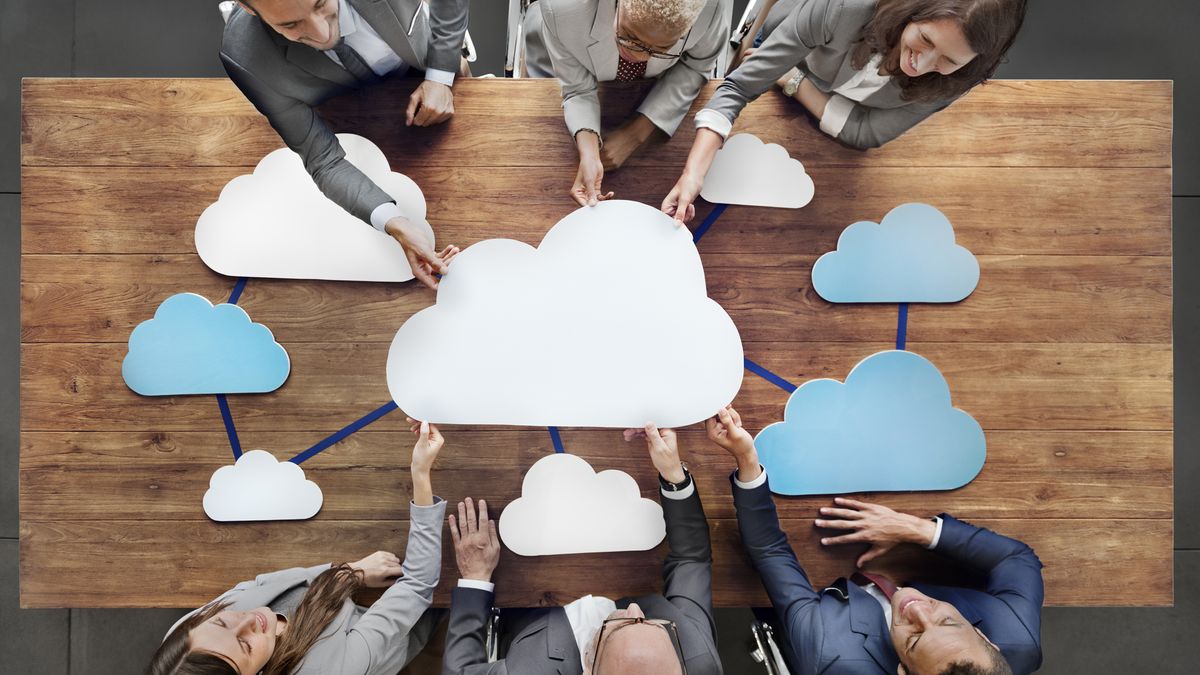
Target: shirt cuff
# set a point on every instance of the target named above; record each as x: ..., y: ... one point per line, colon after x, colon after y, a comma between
x: 440, y: 76
x: 937, y: 534
x: 383, y: 213
x: 711, y: 119
x: 837, y: 111
x: 750, y: 485
x: 478, y: 585
x: 681, y: 494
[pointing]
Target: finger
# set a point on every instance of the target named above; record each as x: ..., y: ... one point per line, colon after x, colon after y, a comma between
x: 493, y: 538
x: 420, y: 272
x: 870, y: 555
x: 710, y: 426
x: 462, y: 516
x: 841, y: 513
x: 839, y: 524
x: 579, y: 195
x: 483, y: 514
x: 737, y: 419
x: 592, y: 193
x: 852, y: 503
x: 725, y: 417
x: 413, y: 102
x: 605, y: 196
x: 472, y: 525
x: 454, y: 530
x: 425, y: 430
x: 425, y: 116
x: 844, y: 539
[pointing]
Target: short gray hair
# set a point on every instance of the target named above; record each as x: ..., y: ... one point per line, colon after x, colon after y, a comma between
x: 676, y: 16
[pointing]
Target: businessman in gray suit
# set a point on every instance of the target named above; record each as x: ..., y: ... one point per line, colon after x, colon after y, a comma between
x: 668, y: 634
x: 288, y: 56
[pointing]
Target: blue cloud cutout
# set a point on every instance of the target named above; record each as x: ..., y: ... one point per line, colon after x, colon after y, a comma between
x: 908, y: 257
x: 890, y: 427
x: 192, y: 347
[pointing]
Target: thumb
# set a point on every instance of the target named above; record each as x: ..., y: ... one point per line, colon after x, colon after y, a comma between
x: 425, y: 430
x: 874, y: 552
x: 411, y: 113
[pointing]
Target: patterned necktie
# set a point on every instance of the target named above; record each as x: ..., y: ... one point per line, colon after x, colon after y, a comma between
x: 628, y: 71
x: 885, y: 585
x: 354, y: 63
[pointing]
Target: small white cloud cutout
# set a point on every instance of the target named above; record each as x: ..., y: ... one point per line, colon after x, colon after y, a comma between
x: 275, y: 223
x: 607, y: 323
x: 566, y: 507
x: 258, y: 487
x: 749, y: 172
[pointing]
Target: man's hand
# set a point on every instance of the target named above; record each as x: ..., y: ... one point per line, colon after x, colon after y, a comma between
x: 380, y: 569
x: 429, y: 443
x: 873, y: 524
x: 476, y: 546
x: 679, y: 203
x: 725, y: 429
x: 431, y: 103
x: 664, y: 451
x: 419, y: 250
x: 622, y: 143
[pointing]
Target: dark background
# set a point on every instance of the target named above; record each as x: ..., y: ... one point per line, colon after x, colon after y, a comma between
x: 1101, y: 39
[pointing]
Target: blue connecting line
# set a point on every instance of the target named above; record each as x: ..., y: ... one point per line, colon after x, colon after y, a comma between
x: 708, y: 222
x: 769, y: 376
x: 556, y: 439
x: 229, y: 430
x: 902, y: 326
x: 345, y: 431
x: 237, y: 290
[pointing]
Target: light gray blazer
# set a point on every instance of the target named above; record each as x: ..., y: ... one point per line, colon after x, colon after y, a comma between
x: 573, y: 40
x: 819, y: 37
x: 285, y: 80
x: 379, y: 640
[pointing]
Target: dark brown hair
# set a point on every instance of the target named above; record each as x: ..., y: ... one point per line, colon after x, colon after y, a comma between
x: 322, y: 602
x: 990, y: 27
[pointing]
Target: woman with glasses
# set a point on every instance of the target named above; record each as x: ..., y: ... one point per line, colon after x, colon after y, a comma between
x: 583, y: 42
x: 866, y: 70
x: 303, y: 620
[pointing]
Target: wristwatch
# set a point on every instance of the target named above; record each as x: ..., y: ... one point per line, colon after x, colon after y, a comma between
x: 793, y: 84
x: 668, y: 486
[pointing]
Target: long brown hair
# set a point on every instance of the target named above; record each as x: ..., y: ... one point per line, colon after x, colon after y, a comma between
x: 990, y: 27
x: 322, y: 602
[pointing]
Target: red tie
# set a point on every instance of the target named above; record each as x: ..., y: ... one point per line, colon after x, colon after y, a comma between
x: 883, y: 583
x: 628, y: 71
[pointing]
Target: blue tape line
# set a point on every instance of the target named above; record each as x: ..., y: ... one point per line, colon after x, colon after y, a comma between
x: 769, y: 376
x: 556, y: 439
x: 708, y: 222
x: 902, y: 326
x: 237, y: 290
x: 345, y: 431
x: 229, y: 430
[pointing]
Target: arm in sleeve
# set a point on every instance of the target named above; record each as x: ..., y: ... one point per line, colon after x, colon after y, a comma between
x: 447, y: 28
x: 1013, y: 569
x: 465, y: 652
x: 377, y: 642
x: 672, y: 96
x: 866, y: 127
x: 581, y: 102
x: 687, y: 570
x: 303, y: 130
x: 290, y: 575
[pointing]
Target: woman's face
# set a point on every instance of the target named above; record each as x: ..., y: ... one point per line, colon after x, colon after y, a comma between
x: 937, y: 46
x: 245, y: 640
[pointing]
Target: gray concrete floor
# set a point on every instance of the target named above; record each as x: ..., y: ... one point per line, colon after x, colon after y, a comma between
x: 1108, y: 39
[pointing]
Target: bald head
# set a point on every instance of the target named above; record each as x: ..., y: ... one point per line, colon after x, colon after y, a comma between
x: 631, y: 648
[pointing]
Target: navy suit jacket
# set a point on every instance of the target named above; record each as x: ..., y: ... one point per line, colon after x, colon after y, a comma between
x: 842, y: 628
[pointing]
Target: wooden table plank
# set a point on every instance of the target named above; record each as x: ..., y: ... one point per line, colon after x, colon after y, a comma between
x: 206, y: 558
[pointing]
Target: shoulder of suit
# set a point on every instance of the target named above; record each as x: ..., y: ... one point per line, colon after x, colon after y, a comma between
x: 247, y: 41
x: 562, y: 13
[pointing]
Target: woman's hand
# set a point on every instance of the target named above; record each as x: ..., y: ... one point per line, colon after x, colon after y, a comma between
x: 425, y: 451
x: 590, y: 176
x: 679, y: 203
x: 380, y: 569
x: 873, y: 524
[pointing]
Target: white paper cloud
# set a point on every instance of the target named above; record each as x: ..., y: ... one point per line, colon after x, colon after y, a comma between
x: 257, y: 487
x: 606, y: 324
x: 276, y: 223
x: 747, y: 171
x: 566, y: 507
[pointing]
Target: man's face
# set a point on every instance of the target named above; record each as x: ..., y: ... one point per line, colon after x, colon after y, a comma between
x: 310, y: 22
x: 930, y: 634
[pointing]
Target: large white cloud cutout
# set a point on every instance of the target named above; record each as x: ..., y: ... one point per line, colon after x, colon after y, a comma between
x: 258, y: 487
x: 566, y: 507
x: 910, y: 256
x: 276, y: 223
x: 750, y: 172
x: 606, y: 324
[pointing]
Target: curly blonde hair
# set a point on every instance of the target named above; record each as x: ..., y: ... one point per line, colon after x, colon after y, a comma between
x: 676, y: 16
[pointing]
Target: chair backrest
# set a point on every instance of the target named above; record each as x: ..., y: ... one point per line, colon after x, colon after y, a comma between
x: 514, y: 56
x: 226, y: 9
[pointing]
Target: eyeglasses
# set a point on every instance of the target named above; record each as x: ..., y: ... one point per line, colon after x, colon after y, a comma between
x: 636, y: 45
x: 614, y: 625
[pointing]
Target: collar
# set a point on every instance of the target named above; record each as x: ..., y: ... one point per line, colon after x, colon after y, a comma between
x: 347, y: 19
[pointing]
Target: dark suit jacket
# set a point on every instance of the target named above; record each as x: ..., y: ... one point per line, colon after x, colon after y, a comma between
x: 842, y: 629
x: 285, y: 80
x: 540, y: 641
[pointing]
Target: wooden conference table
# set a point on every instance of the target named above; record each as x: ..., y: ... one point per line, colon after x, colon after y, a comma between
x: 1063, y: 353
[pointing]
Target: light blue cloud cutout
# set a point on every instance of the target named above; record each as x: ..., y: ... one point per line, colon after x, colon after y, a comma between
x: 890, y: 427
x: 192, y: 347
x: 908, y: 257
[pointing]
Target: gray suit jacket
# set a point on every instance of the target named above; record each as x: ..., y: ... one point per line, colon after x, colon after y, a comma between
x: 381, y: 639
x: 573, y: 40
x: 285, y: 80
x: 540, y: 641
x: 819, y: 36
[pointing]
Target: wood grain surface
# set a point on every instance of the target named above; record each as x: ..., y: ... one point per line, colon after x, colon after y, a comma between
x: 1063, y: 353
